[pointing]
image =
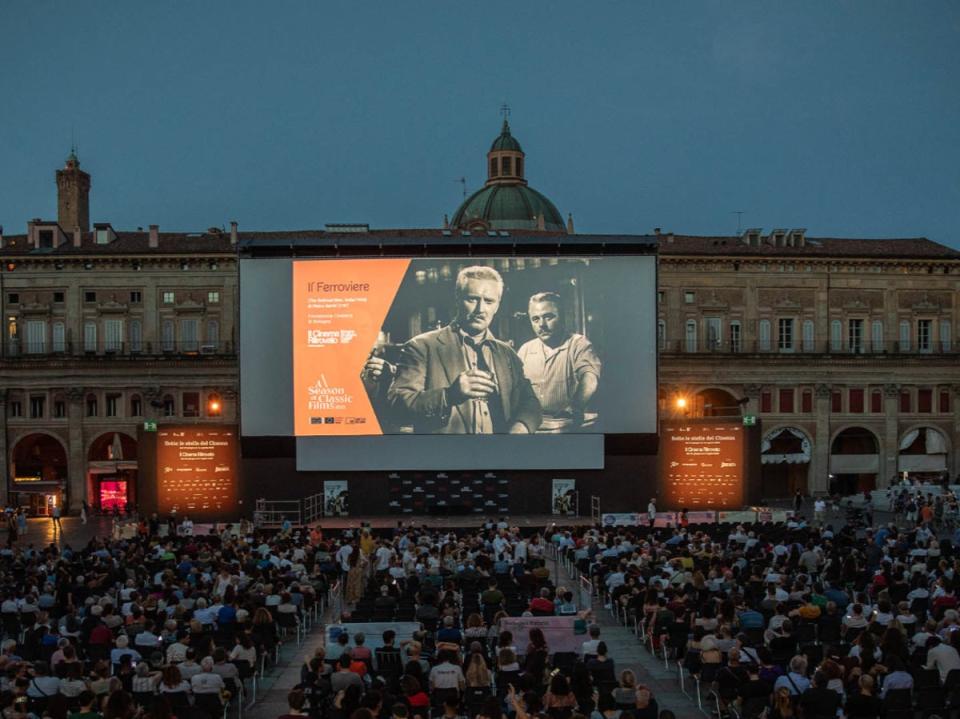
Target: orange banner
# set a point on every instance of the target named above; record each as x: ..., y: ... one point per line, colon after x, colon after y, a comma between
x: 338, y: 309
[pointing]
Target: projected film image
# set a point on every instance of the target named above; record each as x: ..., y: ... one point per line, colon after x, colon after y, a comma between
x: 478, y: 346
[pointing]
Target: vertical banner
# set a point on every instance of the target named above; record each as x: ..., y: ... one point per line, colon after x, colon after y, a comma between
x: 702, y: 464
x: 564, y: 496
x: 335, y: 498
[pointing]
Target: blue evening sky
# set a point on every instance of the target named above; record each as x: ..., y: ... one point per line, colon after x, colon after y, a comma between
x: 835, y: 115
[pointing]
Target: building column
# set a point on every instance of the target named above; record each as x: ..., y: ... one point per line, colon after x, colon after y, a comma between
x: 76, y: 458
x: 820, y: 461
x: 752, y: 393
x: 955, y: 439
x: 890, y: 452
x: 4, y: 451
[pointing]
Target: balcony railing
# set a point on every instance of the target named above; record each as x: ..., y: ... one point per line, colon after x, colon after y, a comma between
x: 817, y: 347
x: 147, y: 350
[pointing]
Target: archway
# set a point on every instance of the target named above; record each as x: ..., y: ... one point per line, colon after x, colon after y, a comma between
x: 785, y: 454
x: 923, y: 453
x: 112, y: 472
x: 716, y: 402
x: 38, y: 473
x: 854, y: 461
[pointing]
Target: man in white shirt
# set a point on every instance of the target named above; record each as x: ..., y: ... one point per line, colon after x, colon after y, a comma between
x: 943, y: 658
x: 384, y: 556
x: 206, y: 681
x: 652, y: 511
x: 819, y: 511
x: 343, y: 557
x: 589, y: 647
x: 446, y: 674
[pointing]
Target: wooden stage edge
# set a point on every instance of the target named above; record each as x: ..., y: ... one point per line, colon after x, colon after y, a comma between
x: 452, y: 521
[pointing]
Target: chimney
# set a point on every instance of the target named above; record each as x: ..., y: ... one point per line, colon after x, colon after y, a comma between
x: 669, y: 238
x: 1, y: 237
x: 233, y: 232
x: 570, y: 224
x: 32, y: 231
x: 799, y: 236
x: 446, y: 222
x: 154, y: 237
x: 77, y: 237
x: 541, y: 222
x: 656, y: 231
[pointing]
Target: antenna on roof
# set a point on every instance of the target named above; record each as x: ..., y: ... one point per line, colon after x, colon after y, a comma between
x: 463, y: 182
x: 739, y: 214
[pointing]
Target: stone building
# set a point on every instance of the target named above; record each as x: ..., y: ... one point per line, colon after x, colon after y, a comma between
x: 103, y: 330
x: 842, y: 347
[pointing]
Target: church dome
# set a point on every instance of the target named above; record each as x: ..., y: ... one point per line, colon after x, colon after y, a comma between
x: 508, y: 207
x: 506, y: 202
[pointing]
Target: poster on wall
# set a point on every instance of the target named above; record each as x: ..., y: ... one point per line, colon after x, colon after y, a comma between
x: 564, y: 496
x: 702, y: 464
x: 196, y: 470
x: 335, y: 498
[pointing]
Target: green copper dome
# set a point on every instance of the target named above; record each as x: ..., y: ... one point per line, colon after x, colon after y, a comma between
x: 506, y: 141
x: 508, y: 207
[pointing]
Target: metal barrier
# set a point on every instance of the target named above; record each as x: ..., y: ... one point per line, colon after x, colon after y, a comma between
x: 272, y: 513
x: 595, y: 508
x: 585, y: 588
x: 312, y: 508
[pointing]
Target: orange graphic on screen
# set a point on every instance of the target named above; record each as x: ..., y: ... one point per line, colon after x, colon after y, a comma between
x: 339, y: 307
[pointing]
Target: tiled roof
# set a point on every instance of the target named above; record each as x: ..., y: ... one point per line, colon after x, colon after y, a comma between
x: 200, y: 243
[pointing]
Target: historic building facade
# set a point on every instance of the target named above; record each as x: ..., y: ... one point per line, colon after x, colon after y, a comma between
x: 103, y: 331
x: 844, y: 348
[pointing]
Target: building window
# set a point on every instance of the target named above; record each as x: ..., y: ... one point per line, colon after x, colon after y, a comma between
x: 808, y: 336
x: 136, y: 336
x: 836, y: 336
x: 661, y: 335
x: 167, y: 335
x: 168, y: 298
x: 766, y: 401
x: 905, y: 401
x: 904, y: 336
x: 876, y: 336
x: 89, y: 296
x: 786, y: 401
x: 36, y: 342
x: 113, y: 335
x: 506, y: 166
x: 876, y: 401
x: 213, y: 297
x: 493, y: 167
x: 689, y: 297
x: 113, y: 405
x: 660, y: 297
x: 213, y: 333
x: 45, y: 239
x: 714, y: 333
x: 91, y: 405
x: 189, y: 339
x: 925, y: 401
x: 136, y: 297
x: 59, y: 408
x: 13, y: 298
x: 736, y: 336
x: 136, y: 406
x: 191, y: 404
x: 836, y: 401
x: 89, y: 336
x: 691, y: 336
x: 169, y: 408
x: 519, y: 167
x: 855, y: 335
x: 806, y: 401
x: 856, y: 401
x: 764, y: 334
x: 16, y: 408
x: 59, y: 337
x: 924, y: 335
x: 37, y: 407
x: 785, y: 334
x: 945, y: 336
x: 58, y: 298
x: 944, y: 401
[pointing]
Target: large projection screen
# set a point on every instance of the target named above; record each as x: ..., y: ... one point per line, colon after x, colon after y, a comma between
x: 362, y: 359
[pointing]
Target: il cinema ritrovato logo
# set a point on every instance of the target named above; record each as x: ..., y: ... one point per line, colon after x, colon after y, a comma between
x: 321, y: 396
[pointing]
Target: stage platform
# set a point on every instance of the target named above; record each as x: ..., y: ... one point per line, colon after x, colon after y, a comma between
x: 453, y: 521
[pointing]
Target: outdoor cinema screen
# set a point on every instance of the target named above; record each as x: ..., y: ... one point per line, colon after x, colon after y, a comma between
x: 473, y: 346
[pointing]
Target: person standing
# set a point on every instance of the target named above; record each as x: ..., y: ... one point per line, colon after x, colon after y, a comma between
x: 797, y: 502
x: 21, y: 517
x: 12, y: 529
x: 55, y: 517
x: 652, y: 511
x: 84, y: 509
x: 820, y: 510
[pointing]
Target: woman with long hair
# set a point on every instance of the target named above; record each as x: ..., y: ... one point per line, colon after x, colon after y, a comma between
x: 477, y: 673
x: 782, y: 705
x: 559, y: 695
x: 535, y: 660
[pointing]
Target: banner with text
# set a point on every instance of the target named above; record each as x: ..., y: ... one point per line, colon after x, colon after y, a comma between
x: 702, y: 464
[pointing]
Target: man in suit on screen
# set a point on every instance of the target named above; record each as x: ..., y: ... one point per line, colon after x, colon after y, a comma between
x: 460, y: 379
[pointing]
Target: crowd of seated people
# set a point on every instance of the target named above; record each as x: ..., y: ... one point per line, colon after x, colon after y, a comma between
x: 457, y: 586
x: 790, y: 620
x: 161, y: 627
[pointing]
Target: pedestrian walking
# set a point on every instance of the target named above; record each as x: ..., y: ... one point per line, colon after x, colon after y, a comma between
x: 12, y: 530
x: 21, y: 517
x: 652, y: 511
x: 55, y: 516
x: 83, y: 511
x: 797, y: 502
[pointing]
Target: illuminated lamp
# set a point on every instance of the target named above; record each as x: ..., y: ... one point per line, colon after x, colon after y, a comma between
x: 11, y: 266
x: 213, y: 406
x: 681, y: 402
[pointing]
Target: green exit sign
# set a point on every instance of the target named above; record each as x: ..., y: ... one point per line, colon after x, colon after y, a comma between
x: 749, y: 420
x: 149, y: 426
